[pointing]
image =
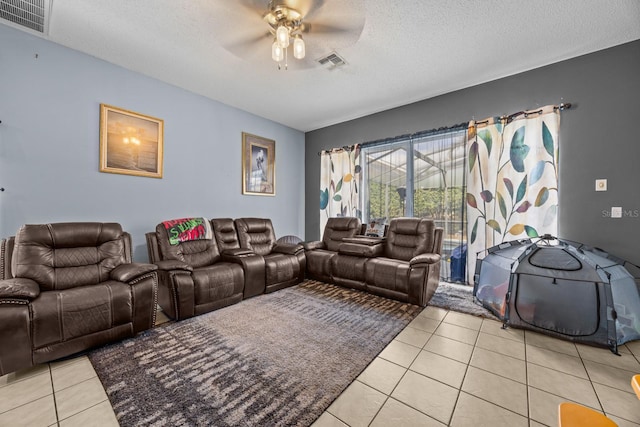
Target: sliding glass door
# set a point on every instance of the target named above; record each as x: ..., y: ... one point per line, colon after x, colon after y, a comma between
x: 421, y: 175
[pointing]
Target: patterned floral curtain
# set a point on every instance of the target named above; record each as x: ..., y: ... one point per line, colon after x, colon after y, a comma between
x: 512, y: 185
x: 339, y: 182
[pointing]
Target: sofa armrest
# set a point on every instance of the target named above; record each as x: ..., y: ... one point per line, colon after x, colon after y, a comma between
x: 312, y: 246
x: 357, y: 249
x: 127, y: 272
x: 15, y: 336
x: 17, y: 288
x: 254, y: 270
x: 173, y: 264
x: 287, y: 248
x: 6, y: 253
x: 424, y: 260
x: 152, y: 247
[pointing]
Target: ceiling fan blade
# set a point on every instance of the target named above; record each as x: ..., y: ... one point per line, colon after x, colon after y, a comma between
x: 257, y: 6
x: 245, y: 42
x: 325, y: 28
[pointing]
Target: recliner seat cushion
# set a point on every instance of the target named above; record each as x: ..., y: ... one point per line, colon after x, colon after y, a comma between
x: 216, y: 282
x: 387, y: 273
x: 59, y: 316
x: 348, y: 267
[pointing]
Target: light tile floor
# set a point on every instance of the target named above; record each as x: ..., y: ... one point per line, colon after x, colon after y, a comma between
x: 444, y: 369
x: 452, y: 369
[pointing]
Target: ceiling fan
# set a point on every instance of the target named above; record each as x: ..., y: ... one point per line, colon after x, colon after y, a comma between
x: 257, y: 30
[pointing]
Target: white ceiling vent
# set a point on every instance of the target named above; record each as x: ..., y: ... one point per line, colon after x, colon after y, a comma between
x: 26, y: 14
x: 332, y: 60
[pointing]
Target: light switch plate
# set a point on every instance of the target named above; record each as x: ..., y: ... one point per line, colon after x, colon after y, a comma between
x: 616, y: 212
x: 601, y: 185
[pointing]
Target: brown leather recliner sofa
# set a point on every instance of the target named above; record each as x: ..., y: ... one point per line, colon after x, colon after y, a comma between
x: 405, y: 265
x: 69, y: 287
x: 241, y: 260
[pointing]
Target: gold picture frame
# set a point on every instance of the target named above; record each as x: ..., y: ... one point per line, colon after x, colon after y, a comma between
x: 258, y: 165
x: 130, y: 143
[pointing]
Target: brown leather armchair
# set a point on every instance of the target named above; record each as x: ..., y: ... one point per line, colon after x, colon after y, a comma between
x: 193, y: 276
x: 404, y: 266
x: 284, y: 264
x: 68, y: 287
x: 319, y: 253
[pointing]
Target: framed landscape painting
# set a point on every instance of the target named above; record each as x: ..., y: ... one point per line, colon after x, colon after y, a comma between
x: 130, y: 143
x: 258, y: 165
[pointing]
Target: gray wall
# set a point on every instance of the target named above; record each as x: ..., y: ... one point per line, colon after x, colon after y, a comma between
x: 598, y: 139
x: 49, y: 140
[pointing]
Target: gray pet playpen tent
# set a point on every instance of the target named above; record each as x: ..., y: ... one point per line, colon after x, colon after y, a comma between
x: 561, y: 288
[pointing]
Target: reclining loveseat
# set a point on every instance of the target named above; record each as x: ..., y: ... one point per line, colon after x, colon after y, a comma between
x: 404, y: 265
x: 237, y: 260
x: 69, y: 287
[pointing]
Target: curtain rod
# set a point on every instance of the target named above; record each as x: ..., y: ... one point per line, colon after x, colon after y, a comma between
x: 511, y: 117
x: 418, y: 134
x: 337, y: 150
x: 399, y: 138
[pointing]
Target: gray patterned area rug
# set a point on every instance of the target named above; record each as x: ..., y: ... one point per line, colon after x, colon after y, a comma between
x: 278, y: 359
x: 456, y: 297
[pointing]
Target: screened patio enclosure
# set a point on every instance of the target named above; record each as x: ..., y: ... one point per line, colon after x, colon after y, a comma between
x: 420, y: 175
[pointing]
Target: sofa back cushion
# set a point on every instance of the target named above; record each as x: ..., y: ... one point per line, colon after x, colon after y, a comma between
x: 408, y: 237
x: 224, y: 231
x: 256, y: 234
x: 338, y: 228
x: 67, y: 255
x: 196, y: 253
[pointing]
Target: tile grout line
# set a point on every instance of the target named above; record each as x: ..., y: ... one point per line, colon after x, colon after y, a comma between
x: 594, y: 389
x: 590, y: 381
x: 53, y: 391
x: 466, y: 369
x: 406, y: 370
x: 80, y: 382
x: 86, y: 409
x: 387, y: 397
x: 526, y: 378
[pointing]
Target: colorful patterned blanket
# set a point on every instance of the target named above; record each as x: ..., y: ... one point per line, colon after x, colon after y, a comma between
x: 187, y: 229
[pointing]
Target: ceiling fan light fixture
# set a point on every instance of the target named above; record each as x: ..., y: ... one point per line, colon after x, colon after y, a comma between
x: 277, y: 52
x: 282, y: 36
x: 298, y: 47
x: 286, y: 25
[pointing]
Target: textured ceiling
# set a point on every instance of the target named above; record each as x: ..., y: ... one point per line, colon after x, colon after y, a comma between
x: 407, y: 50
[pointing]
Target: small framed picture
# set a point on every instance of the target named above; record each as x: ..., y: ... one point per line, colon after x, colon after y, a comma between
x: 258, y: 165
x: 130, y: 143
